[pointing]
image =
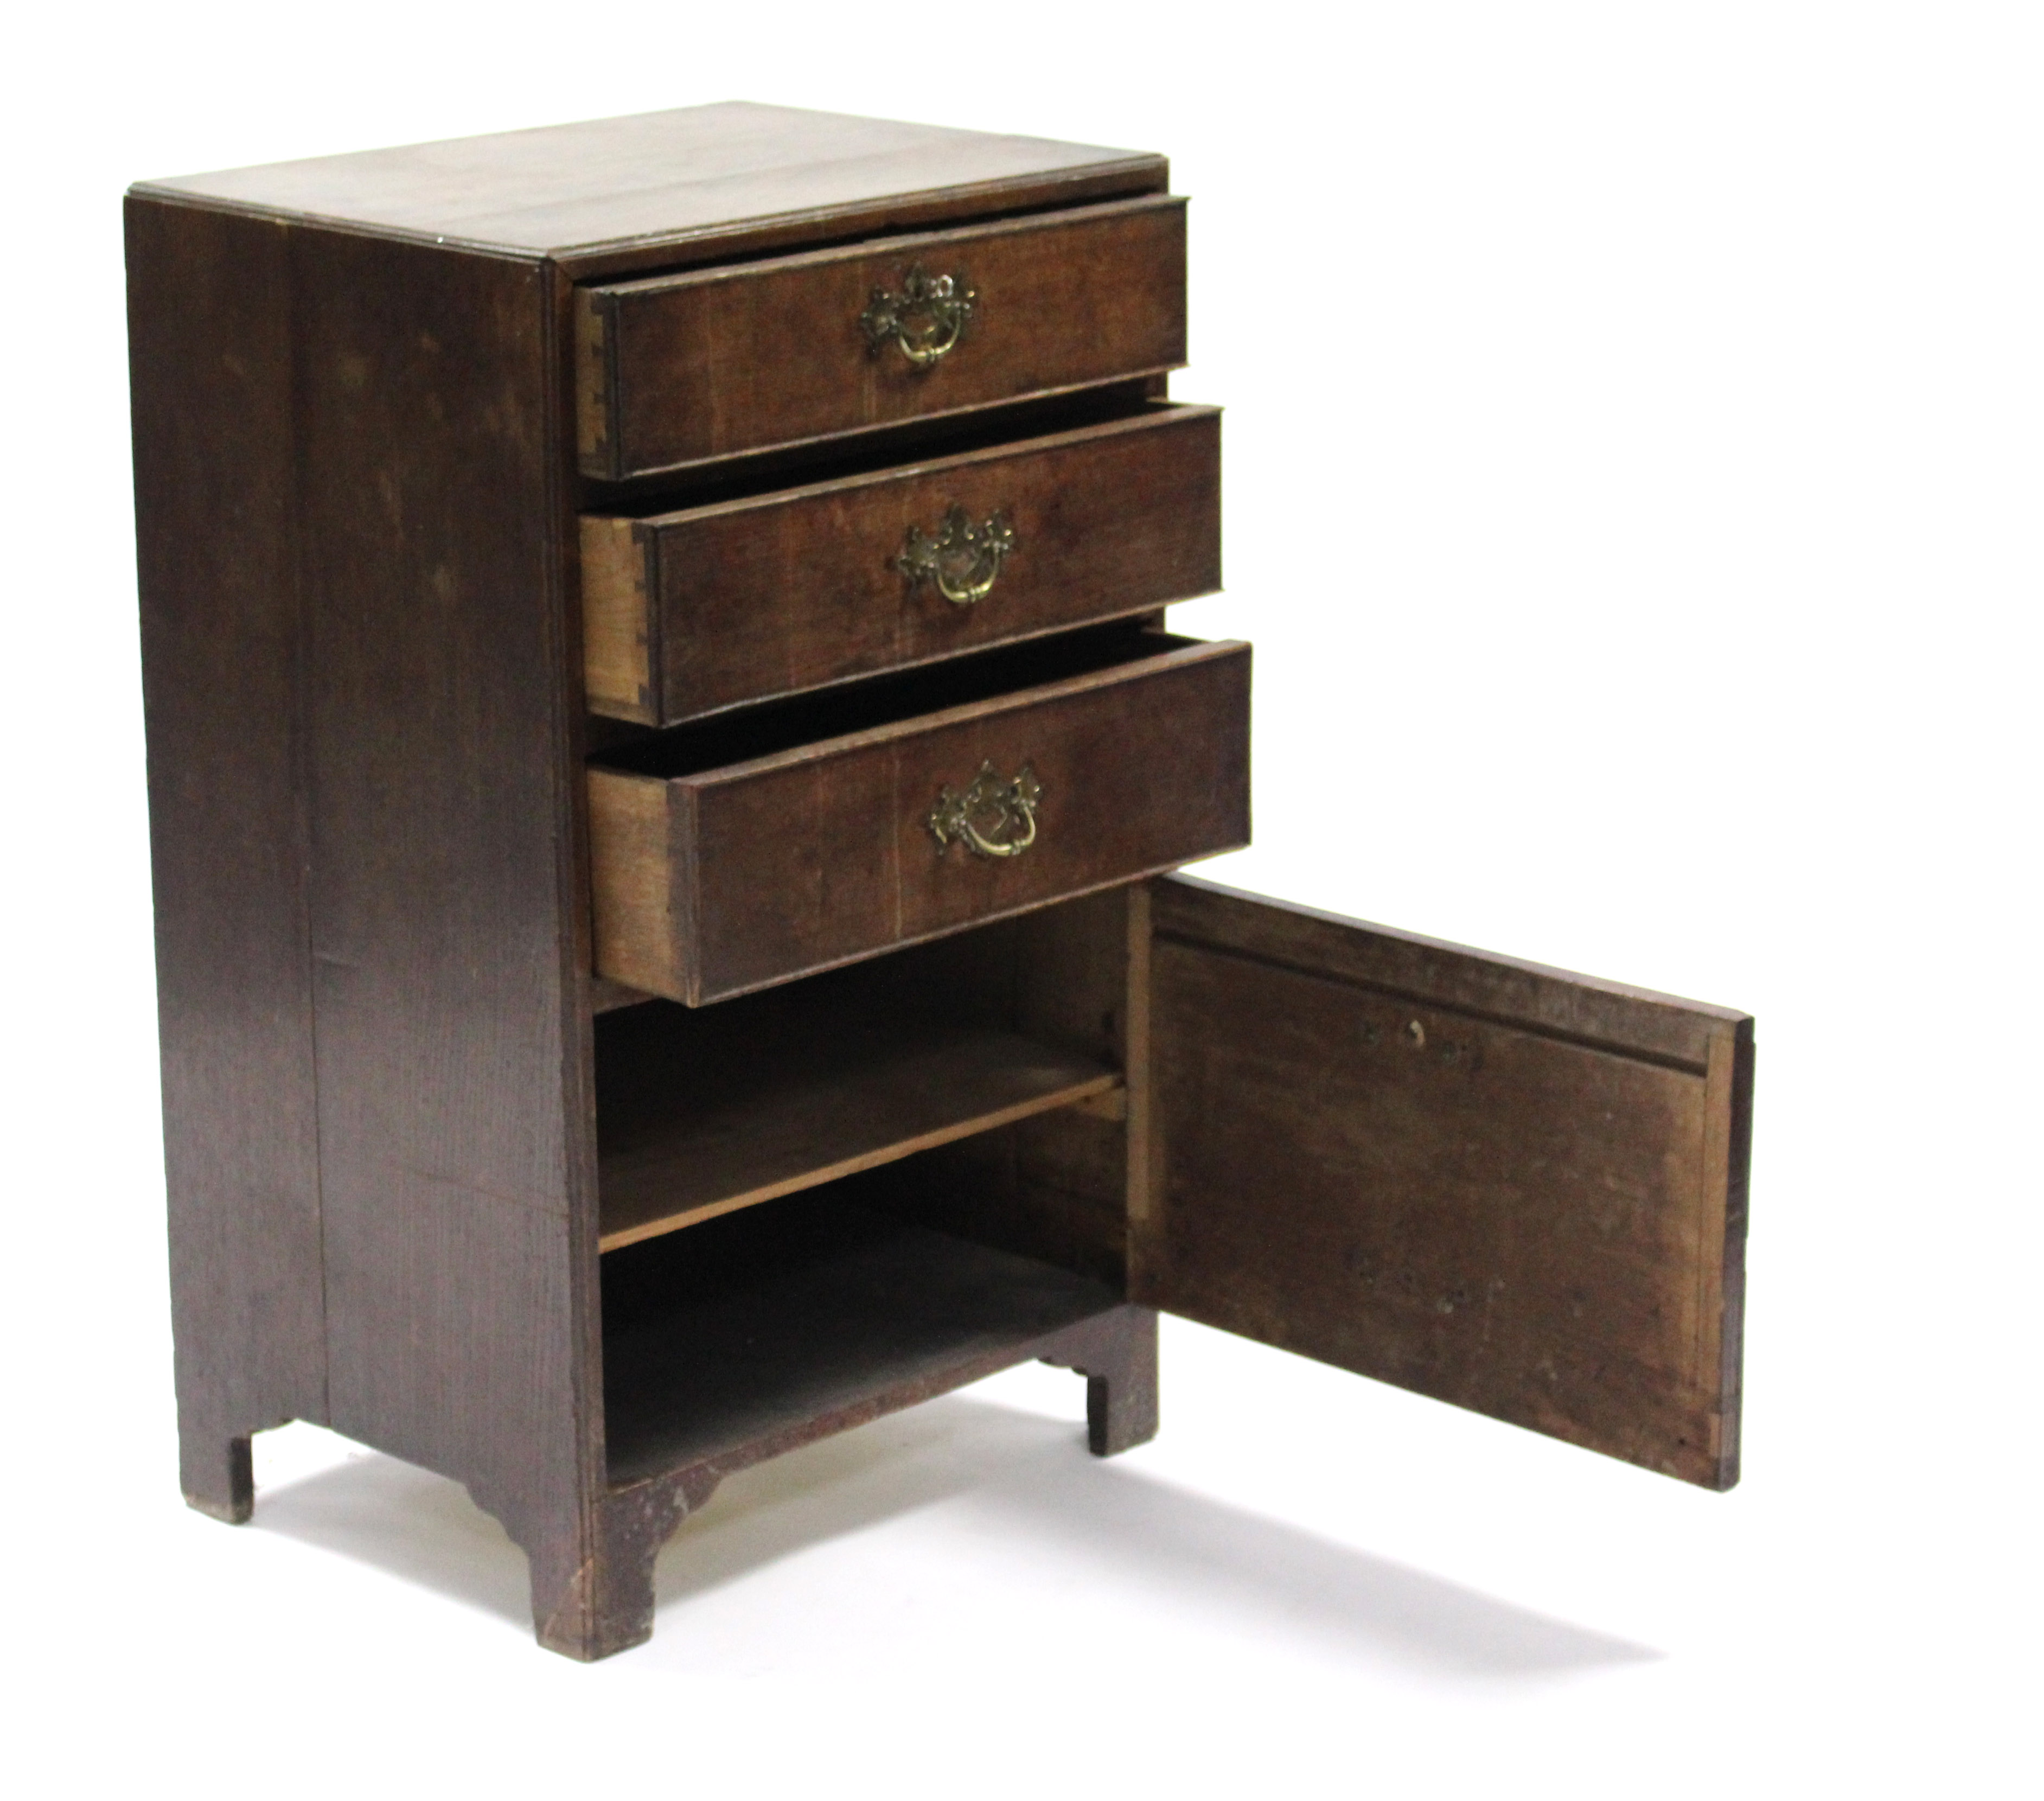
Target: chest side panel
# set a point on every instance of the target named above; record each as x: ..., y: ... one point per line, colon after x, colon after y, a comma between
x: 210, y: 344
x: 445, y: 933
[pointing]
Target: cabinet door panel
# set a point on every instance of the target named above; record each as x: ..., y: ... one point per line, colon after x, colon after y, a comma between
x: 1512, y: 1188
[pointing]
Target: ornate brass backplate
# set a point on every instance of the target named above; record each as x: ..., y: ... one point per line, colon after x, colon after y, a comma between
x: 990, y: 817
x: 962, y: 558
x: 924, y: 320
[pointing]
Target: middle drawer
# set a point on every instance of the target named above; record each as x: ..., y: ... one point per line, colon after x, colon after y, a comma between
x: 688, y: 612
x: 741, y: 852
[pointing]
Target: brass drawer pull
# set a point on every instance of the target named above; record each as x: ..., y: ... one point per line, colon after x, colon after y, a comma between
x: 925, y: 319
x: 1007, y: 809
x: 962, y: 558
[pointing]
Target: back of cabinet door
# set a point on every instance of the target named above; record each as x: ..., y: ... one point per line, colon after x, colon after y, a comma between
x: 1508, y: 1186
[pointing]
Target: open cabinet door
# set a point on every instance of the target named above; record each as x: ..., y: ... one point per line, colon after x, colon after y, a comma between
x: 1504, y: 1186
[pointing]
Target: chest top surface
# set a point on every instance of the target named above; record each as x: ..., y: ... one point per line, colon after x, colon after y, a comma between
x: 665, y: 178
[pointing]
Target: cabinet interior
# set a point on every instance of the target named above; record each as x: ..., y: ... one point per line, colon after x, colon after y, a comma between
x: 818, y: 1192
x: 815, y: 1192
x: 745, y: 1328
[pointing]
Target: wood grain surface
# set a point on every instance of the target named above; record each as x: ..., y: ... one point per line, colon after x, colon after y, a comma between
x: 761, y: 1323
x: 801, y: 858
x: 363, y: 714
x: 619, y: 629
x: 381, y: 435
x: 753, y: 1107
x: 1053, y: 1186
x: 1511, y: 1189
x: 223, y: 673
x: 642, y: 906
x: 357, y: 499
x: 690, y: 612
x: 457, y: 1151
x: 682, y: 369
x: 690, y: 184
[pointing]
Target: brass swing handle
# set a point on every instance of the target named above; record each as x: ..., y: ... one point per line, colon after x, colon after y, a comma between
x: 962, y: 558
x: 923, y: 320
x: 1007, y: 810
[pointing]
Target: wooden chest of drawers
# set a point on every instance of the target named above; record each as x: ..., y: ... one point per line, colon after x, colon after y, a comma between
x: 664, y: 757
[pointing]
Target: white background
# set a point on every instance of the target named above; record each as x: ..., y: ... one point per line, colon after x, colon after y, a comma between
x: 1633, y: 464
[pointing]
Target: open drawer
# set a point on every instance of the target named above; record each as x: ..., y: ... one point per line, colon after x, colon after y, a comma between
x: 677, y: 371
x: 737, y: 852
x: 686, y: 612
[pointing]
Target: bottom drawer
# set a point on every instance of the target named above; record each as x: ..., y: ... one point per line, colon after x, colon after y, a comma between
x: 746, y: 851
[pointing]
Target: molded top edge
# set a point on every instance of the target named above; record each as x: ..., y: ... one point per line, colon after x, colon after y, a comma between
x: 694, y: 172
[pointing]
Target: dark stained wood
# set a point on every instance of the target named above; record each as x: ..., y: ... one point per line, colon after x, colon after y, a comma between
x: 385, y: 875
x: 1053, y: 1186
x: 690, y: 611
x: 1071, y: 981
x: 1508, y: 989
x: 1116, y: 1352
x: 691, y: 184
x: 870, y: 452
x: 681, y: 369
x: 456, y: 1148
x: 834, y: 1360
x: 1498, y: 1184
x: 755, y: 1328
x: 801, y: 858
x: 222, y: 666
x: 724, y: 1108
x: 1728, y: 1159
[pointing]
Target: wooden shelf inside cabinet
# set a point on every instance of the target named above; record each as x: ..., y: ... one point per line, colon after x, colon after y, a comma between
x: 702, y: 1113
x: 725, y: 1344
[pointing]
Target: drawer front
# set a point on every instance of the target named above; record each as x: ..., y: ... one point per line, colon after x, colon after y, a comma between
x: 693, y: 611
x: 709, y: 886
x: 684, y: 369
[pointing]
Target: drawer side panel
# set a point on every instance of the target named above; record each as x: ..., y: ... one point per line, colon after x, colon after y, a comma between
x: 618, y: 632
x: 634, y: 878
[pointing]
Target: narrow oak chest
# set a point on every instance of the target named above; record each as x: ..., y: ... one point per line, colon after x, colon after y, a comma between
x: 664, y: 763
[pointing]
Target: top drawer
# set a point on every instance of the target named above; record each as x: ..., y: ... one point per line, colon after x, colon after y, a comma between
x: 680, y: 370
